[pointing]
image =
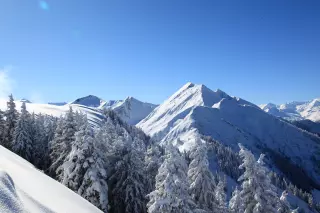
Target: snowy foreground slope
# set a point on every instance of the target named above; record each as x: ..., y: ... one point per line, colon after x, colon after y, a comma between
x: 25, y: 189
x: 295, y: 110
x: 195, y: 109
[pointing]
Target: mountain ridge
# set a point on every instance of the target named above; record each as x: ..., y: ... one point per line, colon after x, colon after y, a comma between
x: 296, y: 110
x: 197, y: 110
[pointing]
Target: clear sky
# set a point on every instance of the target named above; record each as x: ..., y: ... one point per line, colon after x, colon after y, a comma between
x: 59, y: 50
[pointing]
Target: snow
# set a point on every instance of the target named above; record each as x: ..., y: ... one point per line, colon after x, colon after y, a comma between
x: 295, y: 110
x: 25, y: 189
x: 130, y: 110
x: 195, y: 109
x: 94, y: 115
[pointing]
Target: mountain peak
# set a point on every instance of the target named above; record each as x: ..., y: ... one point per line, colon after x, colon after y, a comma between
x: 188, y: 85
x: 89, y: 100
x: 130, y: 98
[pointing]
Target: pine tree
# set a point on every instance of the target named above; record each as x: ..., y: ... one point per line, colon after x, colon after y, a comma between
x: 171, y: 193
x: 202, y: 183
x: 60, y: 147
x: 235, y: 202
x: 153, y: 160
x: 257, y: 194
x: 267, y: 194
x: 220, y: 196
x: 284, y: 206
x: 40, y: 142
x: 310, y: 200
x: 2, y: 127
x: 56, y: 147
x: 22, y: 137
x: 129, y: 183
x: 11, y: 115
x: 84, y: 169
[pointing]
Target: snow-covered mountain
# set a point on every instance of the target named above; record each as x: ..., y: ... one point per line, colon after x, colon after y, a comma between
x: 130, y: 110
x: 89, y: 101
x: 295, y: 110
x: 195, y: 109
x: 25, y: 189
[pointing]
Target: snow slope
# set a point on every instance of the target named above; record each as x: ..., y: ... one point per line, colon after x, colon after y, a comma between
x: 25, y: 189
x: 130, y: 110
x: 295, y: 110
x: 195, y: 109
x: 94, y: 115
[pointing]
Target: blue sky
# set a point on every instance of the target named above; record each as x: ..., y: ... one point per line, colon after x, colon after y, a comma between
x: 58, y: 50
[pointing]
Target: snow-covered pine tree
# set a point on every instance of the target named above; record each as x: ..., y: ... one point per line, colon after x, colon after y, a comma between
x: 266, y: 195
x: 11, y: 115
x: 129, y: 183
x: 94, y: 186
x: 284, y: 206
x: 60, y: 147
x: 220, y: 196
x: 55, y: 147
x: 235, y: 202
x: 202, y: 183
x: 50, y: 124
x: 257, y: 194
x: 80, y: 119
x: 153, y: 160
x: 40, y: 142
x: 2, y: 127
x: 171, y: 193
x: 84, y: 170
x: 22, y: 137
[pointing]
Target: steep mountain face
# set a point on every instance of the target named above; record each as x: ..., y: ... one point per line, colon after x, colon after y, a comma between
x: 89, y: 101
x: 130, y: 110
x: 295, y: 110
x: 196, y: 110
x: 310, y: 126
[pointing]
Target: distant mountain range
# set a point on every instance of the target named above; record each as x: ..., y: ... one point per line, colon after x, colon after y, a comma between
x: 309, y: 110
x: 130, y: 109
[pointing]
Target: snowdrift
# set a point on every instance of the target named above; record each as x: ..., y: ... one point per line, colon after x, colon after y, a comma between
x: 25, y: 189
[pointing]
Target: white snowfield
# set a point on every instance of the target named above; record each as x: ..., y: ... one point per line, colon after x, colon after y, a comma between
x: 94, y: 115
x: 196, y: 109
x: 295, y: 110
x: 25, y: 189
